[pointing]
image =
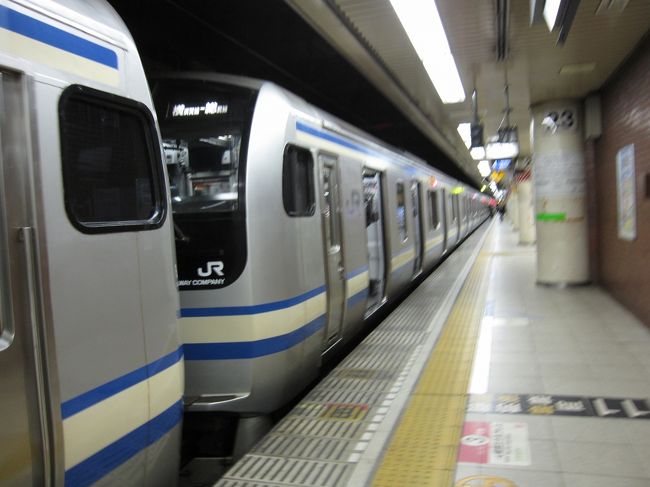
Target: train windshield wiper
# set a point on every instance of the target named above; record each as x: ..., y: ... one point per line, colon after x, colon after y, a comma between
x: 180, y: 235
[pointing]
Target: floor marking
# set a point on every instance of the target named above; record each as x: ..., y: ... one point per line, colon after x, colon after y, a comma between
x: 424, y: 446
x: 495, y: 443
x: 345, y: 412
x: 554, y: 405
x: 485, y: 481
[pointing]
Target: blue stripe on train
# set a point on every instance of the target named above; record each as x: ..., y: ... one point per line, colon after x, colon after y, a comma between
x: 302, y: 127
x: 48, y: 34
x: 356, y: 272
x: 357, y: 298
x: 250, y: 310
x: 115, y: 386
x: 257, y: 348
x: 109, y: 458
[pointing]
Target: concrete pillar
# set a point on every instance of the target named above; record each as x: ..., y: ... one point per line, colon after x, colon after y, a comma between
x: 513, y: 206
x: 560, y: 192
x: 526, y: 210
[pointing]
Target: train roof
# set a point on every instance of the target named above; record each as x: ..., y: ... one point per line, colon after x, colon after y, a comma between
x: 329, y: 121
x: 95, y: 17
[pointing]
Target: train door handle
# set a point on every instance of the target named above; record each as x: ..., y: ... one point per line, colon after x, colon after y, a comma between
x: 27, y: 238
x: 341, y: 270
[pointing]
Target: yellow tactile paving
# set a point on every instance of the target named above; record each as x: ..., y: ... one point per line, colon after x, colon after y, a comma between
x: 423, y: 449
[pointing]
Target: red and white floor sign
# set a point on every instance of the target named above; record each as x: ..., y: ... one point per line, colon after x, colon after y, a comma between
x: 494, y: 443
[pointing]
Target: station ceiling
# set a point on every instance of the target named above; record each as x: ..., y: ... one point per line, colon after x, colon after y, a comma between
x: 353, y: 59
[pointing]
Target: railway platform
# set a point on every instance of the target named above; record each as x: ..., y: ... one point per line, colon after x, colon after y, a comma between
x: 480, y: 378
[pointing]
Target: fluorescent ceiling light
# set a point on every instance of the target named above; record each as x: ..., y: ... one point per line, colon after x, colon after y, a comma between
x: 577, y: 68
x: 484, y: 168
x: 421, y: 21
x: 502, y: 150
x: 477, y: 153
x: 465, y: 131
x: 551, y: 9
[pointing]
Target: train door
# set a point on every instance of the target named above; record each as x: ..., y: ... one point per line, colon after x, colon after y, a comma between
x: 455, y: 219
x: 335, y: 271
x: 373, y: 199
x: 445, y: 220
x: 24, y: 436
x: 417, y: 227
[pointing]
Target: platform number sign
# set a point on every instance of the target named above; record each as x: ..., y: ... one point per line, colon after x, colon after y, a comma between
x: 559, y: 120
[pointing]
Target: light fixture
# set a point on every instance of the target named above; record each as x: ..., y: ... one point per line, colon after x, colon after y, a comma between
x: 505, y: 145
x: 501, y: 150
x: 502, y: 29
x: 577, y: 68
x: 484, y: 168
x: 477, y: 153
x: 464, y: 130
x: 421, y: 21
x: 551, y: 11
x: 559, y: 15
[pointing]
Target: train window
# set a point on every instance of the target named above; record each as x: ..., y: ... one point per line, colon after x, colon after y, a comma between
x: 298, y: 182
x: 434, y: 218
x: 112, y: 170
x: 401, y: 212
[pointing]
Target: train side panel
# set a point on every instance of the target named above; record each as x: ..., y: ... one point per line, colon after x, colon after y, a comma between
x: 336, y: 224
x: 94, y: 236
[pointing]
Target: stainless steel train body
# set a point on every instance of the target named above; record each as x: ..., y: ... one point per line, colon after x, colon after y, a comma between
x: 91, y: 370
x: 292, y: 227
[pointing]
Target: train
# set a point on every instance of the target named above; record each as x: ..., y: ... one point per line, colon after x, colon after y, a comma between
x: 214, y: 268
x: 91, y: 364
x: 292, y: 228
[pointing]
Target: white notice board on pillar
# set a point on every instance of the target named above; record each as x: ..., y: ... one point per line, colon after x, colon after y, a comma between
x: 626, y: 193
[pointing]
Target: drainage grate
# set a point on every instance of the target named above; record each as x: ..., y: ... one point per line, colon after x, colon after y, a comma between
x: 288, y: 471
x: 357, y: 397
x: 304, y: 447
x: 320, y: 428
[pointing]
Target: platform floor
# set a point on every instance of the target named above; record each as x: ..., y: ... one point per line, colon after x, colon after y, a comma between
x: 480, y: 378
x: 575, y: 359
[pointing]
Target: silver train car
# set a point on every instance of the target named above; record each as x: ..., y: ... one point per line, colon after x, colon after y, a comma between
x: 91, y: 369
x: 292, y: 227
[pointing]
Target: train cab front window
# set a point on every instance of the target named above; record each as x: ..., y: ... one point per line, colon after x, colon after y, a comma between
x: 204, y: 129
x: 203, y: 171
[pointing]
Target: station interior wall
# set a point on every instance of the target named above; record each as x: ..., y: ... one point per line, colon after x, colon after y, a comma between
x: 623, y: 267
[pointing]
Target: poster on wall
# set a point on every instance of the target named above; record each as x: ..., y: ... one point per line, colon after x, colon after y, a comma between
x: 626, y: 193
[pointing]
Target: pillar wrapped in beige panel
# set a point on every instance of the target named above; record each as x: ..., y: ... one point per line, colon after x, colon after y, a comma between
x: 513, y: 206
x: 526, y: 211
x: 560, y: 192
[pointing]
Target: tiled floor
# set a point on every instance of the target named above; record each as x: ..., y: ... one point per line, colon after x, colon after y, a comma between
x: 560, y: 342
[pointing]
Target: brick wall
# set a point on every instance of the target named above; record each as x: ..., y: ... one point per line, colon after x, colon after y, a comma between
x: 623, y: 266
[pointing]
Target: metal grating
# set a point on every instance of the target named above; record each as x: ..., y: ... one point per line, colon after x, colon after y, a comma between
x: 304, y: 447
x: 398, y: 338
x: 356, y: 397
x: 288, y: 471
x: 320, y: 428
x: 355, y: 384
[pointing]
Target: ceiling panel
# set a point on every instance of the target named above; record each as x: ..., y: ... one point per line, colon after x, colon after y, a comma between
x: 533, y: 66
